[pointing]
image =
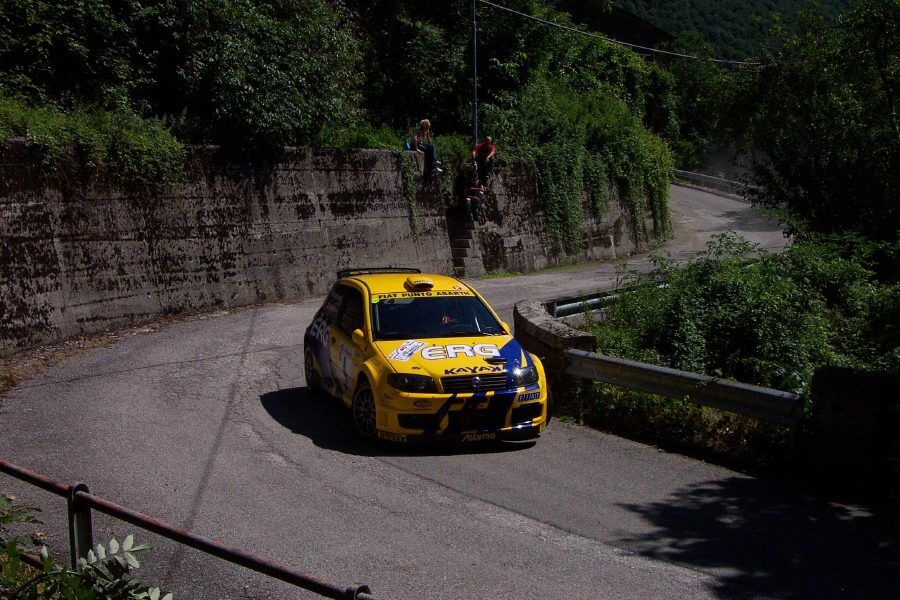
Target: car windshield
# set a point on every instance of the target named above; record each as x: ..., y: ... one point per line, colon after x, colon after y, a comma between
x: 432, y: 317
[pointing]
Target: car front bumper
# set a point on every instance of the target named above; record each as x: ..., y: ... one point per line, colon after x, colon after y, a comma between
x: 470, y: 417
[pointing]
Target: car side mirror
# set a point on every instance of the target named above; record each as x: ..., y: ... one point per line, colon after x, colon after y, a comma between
x: 505, y: 327
x: 359, y: 338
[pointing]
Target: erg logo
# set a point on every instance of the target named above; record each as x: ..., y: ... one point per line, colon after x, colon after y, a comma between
x: 319, y: 331
x: 454, y: 350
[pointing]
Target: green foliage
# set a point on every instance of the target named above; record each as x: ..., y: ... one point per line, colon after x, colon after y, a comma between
x: 769, y: 321
x: 243, y: 74
x: 735, y: 28
x: 404, y: 163
x: 703, y: 90
x: 140, y: 152
x: 363, y: 135
x: 105, y: 573
x: 824, y: 125
x: 68, y: 52
x: 266, y: 73
x: 575, y: 136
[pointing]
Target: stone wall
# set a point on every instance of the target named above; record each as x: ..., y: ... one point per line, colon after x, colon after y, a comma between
x: 81, y: 257
x: 513, y: 236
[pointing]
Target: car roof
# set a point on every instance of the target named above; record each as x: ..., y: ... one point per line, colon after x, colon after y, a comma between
x: 385, y: 283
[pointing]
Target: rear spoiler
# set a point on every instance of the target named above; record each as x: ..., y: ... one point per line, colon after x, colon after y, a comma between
x: 373, y: 270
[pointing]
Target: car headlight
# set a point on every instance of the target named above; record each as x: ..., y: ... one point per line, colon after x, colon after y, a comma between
x: 525, y: 375
x: 412, y: 383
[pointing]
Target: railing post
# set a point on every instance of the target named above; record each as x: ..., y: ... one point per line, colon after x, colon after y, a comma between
x: 81, y: 532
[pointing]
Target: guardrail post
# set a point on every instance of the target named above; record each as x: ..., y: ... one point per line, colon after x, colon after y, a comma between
x: 81, y: 531
x: 358, y: 593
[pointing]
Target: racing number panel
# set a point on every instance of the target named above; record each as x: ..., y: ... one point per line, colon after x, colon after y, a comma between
x: 345, y: 356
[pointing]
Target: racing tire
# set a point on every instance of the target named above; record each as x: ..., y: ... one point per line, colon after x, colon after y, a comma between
x: 313, y: 381
x: 364, y: 416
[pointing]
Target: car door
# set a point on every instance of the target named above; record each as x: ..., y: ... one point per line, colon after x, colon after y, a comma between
x: 322, y: 333
x: 346, y: 358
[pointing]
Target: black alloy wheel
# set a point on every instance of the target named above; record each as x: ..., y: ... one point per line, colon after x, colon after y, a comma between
x: 364, y: 411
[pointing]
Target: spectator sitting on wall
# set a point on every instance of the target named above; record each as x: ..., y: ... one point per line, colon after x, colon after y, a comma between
x: 484, y: 154
x: 422, y: 143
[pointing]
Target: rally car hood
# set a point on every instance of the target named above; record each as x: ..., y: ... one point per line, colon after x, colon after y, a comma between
x: 440, y: 357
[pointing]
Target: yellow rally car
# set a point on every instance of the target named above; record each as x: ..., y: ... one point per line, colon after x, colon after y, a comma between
x: 418, y: 357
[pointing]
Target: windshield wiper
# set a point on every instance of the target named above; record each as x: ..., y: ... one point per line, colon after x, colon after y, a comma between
x: 462, y: 333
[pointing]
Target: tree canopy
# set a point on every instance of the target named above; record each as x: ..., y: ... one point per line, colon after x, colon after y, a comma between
x: 822, y: 122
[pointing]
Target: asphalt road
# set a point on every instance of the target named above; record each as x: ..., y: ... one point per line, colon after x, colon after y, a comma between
x: 207, y: 424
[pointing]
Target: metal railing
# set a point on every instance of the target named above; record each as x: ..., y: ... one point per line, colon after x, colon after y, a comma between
x: 81, y: 502
x: 764, y: 404
x: 711, y: 182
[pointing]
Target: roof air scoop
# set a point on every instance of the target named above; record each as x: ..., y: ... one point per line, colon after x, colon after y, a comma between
x: 417, y: 283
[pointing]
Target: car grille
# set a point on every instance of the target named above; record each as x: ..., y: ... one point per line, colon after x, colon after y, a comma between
x: 526, y: 413
x: 467, y: 420
x: 418, y: 421
x: 463, y: 383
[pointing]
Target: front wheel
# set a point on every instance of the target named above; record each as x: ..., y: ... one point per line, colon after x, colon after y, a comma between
x: 364, y: 411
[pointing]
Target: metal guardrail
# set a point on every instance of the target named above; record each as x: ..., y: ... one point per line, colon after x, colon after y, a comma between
x: 764, y: 404
x: 716, y: 183
x: 566, y: 307
x: 572, y: 306
x: 81, y: 537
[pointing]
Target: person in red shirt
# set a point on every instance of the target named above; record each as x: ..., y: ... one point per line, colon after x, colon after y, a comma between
x: 484, y: 154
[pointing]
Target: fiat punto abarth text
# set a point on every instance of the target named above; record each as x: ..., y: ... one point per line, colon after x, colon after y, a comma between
x: 422, y: 357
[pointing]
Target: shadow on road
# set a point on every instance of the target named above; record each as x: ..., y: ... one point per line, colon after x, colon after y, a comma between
x: 756, y: 536
x: 328, y: 424
x: 749, y: 220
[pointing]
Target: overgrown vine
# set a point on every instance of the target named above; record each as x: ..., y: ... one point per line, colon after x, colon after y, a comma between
x: 409, y: 189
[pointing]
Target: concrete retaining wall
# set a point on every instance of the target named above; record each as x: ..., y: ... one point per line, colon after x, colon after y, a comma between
x: 513, y: 236
x: 81, y: 257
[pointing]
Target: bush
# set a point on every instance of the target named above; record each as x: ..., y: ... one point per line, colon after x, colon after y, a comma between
x: 765, y: 319
x: 578, y: 139
x: 105, y: 573
x: 140, y: 152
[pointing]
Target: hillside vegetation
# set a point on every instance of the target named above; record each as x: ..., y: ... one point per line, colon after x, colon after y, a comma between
x: 735, y: 28
x: 124, y: 84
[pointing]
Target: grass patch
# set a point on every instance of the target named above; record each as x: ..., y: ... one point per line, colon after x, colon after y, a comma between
x: 499, y: 274
x: 7, y: 380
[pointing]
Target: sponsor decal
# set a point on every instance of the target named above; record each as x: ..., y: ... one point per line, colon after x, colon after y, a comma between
x: 391, y: 437
x: 529, y: 397
x: 454, y: 350
x: 458, y: 287
x: 396, y: 295
x: 319, y: 331
x: 478, y: 437
x: 406, y: 350
x: 473, y: 370
x: 422, y: 403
